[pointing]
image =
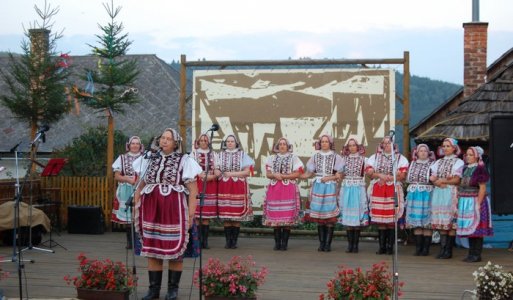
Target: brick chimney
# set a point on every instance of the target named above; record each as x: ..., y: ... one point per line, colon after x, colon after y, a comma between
x: 474, y: 56
x: 39, y: 43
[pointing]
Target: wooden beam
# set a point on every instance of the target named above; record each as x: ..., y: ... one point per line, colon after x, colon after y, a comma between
x: 183, y: 87
x: 226, y: 63
x: 406, y: 104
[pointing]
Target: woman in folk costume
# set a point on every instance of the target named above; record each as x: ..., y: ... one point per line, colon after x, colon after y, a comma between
x: 201, y: 154
x: 234, y: 201
x: 353, y: 201
x: 418, y: 198
x: 474, y: 212
x: 381, y: 190
x: 282, y: 201
x: 323, y: 206
x: 164, y: 211
x: 124, y: 174
x: 446, y: 176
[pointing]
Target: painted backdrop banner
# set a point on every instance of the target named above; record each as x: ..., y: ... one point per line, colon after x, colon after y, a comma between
x: 261, y: 105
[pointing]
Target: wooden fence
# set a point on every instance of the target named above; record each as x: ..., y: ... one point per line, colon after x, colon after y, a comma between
x: 81, y: 191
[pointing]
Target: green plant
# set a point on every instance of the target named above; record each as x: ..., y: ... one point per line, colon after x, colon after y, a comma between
x: 87, y: 153
x: 354, y: 284
x: 102, y: 275
x: 234, y: 279
x: 492, y: 282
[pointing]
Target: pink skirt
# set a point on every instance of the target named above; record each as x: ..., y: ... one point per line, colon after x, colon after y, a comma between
x: 281, y: 205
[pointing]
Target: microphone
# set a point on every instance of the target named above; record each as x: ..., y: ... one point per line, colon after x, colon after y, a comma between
x: 43, y: 128
x: 153, y: 148
x: 215, y: 127
x: 391, y: 133
x: 15, y: 147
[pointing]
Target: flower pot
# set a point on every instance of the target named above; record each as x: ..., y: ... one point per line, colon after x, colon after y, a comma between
x: 90, y: 294
x: 229, y: 298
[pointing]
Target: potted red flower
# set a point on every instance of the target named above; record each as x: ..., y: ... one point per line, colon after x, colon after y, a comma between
x: 237, y: 279
x: 356, y: 285
x: 102, y: 279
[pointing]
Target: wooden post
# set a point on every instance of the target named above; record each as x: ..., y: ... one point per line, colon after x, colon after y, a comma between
x: 406, y: 105
x: 183, y: 90
x: 110, y: 160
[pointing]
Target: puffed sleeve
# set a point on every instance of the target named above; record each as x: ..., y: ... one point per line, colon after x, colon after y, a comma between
x: 297, y: 164
x: 191, y: 169
x: 269, y: 163
x: 480, y: 176
x: 247, y: 161
x: 371, y: 161
x: 140, y: 165
x: 310, y: 165
x: 116, y: 166
x: 402, y: 165
x: 339, y: 163
x: 217, y: 161
x: 434, y: 168
x: 457, y: 168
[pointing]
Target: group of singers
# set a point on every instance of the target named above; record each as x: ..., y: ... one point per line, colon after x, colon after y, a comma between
x: 447, y: 195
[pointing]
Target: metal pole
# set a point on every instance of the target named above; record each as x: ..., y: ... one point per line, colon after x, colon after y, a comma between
x: 395, y: 273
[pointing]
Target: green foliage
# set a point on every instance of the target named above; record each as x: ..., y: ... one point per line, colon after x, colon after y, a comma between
x: 87, y: 153
x: 36, y: 81
x: 111, y: 85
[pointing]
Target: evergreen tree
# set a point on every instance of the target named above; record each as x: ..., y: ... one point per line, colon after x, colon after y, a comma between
x: 111, y: 85
x: 36, y: 79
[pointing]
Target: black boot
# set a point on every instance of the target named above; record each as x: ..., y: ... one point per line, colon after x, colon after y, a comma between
x: 235, y: 237
x: 448, y: 248
x: 419, y: 243
x: 426, y: 243
x: 390, y: 241
x: 228, y: 237
x: 155, y: 282
x: 476, y: 250
x: 173, y: 280
x: 470, y: 250
x: 321, y: 231
x: 129, y: 237
x: 443, y: 245
x: 204, y: 236
x: 350, y: 241
x: 285, y: 239
x: 356, y: 240
x: 277, y: 238
x: 382, y: 239
x: 329, y: 238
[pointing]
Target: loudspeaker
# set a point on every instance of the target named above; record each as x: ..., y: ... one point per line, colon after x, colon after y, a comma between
x: 501, y: 162
x: 85, y: 220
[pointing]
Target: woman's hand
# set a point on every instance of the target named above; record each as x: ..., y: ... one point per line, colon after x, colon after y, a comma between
x: 278, y: 176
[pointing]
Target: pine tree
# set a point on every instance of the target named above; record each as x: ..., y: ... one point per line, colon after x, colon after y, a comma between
x: 111, y: 85
x: 36, y: 79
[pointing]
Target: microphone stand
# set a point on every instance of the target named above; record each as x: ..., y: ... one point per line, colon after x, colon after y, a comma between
x: 34, y: 145
x: 395, y: 274
x: 201, y: 203
x: 130, y: 205
x: 17, y: 256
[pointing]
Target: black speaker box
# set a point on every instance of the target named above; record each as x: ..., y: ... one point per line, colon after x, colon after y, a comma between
x: 501, y: 159
x: 85, y: 220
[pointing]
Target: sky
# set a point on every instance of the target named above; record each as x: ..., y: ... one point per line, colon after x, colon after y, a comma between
x: 431, y: 30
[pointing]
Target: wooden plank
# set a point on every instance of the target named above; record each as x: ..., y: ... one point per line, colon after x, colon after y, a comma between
x: 299, y: 273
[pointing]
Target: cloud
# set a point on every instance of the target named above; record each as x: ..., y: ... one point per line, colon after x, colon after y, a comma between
x: 308, y: 49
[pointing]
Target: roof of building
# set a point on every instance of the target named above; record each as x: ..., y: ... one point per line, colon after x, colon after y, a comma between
x: 158, y: 87
x: 470, y: 120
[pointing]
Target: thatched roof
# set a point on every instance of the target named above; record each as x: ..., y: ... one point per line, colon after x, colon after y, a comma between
x: 158, y: 89
x: 469, y: 121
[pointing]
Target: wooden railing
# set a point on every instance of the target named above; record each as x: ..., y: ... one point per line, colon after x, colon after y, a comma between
x: 82, y: 191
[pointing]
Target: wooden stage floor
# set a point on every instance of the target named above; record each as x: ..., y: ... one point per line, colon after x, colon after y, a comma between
x: 299, y: 273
